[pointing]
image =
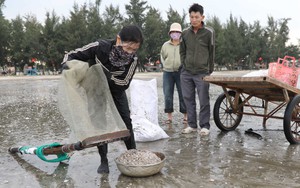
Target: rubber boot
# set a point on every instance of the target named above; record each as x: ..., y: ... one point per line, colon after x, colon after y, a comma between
x: 103, y: 168
x: 130, y: 142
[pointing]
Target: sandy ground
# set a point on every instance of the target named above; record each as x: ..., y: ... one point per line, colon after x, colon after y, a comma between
x: 29, y: 116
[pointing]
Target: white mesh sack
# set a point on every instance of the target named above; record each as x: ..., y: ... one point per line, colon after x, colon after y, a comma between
x: 144, y: 111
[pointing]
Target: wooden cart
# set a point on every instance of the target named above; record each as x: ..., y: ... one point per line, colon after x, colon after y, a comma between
x: 235, y: 102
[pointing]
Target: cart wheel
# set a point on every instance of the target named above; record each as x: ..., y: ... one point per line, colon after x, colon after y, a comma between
x: 291, y: 121
x: 225, y: 118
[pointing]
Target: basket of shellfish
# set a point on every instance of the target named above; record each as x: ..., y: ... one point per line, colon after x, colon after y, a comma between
x: 140, y: 163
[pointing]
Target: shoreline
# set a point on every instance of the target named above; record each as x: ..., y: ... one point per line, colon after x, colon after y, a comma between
x: 137, y: 75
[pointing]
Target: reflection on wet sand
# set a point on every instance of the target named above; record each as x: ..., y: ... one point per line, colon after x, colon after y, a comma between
x: 58, y: 178
x: 29, y: 116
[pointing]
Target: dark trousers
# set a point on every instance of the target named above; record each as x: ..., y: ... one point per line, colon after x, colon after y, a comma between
x: 121, y: 103
x: 170, y: 79
x: 190, y: 84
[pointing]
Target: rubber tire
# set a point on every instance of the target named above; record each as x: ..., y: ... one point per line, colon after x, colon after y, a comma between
x: 228, y: 114
x: 289, y: 125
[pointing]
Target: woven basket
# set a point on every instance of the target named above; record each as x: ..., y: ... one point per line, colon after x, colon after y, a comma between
x: 142, y: 171
x: 285, y: 70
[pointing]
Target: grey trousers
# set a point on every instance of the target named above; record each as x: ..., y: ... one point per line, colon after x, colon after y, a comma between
x: 191, y: 83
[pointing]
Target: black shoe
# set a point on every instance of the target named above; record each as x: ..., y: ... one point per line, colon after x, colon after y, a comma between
x: 103, y: 168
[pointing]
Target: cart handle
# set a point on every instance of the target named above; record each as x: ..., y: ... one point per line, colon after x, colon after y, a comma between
x: 285, y: 61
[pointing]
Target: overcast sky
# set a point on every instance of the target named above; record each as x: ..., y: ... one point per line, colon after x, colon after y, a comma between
x: 248, y: 10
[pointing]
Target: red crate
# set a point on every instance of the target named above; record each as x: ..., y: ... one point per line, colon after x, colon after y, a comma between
x: 284, y: 70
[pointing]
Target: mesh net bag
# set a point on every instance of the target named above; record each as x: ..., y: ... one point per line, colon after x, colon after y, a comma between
x: 85, y: 101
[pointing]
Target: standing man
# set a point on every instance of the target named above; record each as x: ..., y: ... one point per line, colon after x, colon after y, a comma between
x: 197, y: 57
x: 119, y: 61
x: 170, y: 60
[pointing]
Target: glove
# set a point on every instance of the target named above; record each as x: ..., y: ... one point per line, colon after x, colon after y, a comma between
x: 65, y: 66
x: 108, y: 76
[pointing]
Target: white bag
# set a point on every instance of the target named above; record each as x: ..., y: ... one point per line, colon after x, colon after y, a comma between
x: 144, y: 111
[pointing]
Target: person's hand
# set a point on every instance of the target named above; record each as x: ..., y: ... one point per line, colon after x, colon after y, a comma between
x: 65, y: 66
x: 180, y: 68
x: 108, y: 76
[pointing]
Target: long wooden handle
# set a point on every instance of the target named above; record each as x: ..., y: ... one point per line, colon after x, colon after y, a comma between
x: 86, y: 143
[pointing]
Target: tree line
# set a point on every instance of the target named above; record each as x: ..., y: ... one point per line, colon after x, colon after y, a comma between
x: 24, y: 40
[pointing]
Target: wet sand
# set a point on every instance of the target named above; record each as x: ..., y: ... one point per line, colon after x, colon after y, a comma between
x: 29, y: 116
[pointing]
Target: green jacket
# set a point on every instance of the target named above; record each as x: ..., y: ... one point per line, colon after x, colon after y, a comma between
x: 169, y: 56
x: 197, y: 50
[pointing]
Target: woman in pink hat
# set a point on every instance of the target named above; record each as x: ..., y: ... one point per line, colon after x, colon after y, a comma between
x: 170, y: 60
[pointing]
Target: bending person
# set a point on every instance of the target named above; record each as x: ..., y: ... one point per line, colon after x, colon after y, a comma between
x: 117, y: 59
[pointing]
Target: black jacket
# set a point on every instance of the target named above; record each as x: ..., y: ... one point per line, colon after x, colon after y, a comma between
x: 197, y: 50
x: 118, y: 78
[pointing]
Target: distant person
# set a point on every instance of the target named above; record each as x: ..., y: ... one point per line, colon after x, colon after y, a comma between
x: 170, y: 59
x: 262, y: 65
x: 117, y: 59
x: 25, y: 69
x: 197, y: 57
